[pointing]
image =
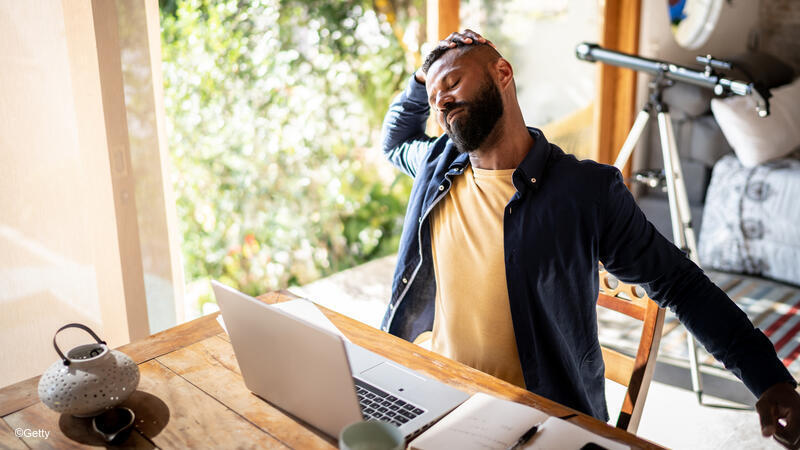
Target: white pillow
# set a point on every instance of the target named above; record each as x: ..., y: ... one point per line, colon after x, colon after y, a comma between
x: 755, y: 139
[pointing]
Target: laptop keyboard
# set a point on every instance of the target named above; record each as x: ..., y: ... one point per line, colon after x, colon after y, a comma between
x: 379, y: 405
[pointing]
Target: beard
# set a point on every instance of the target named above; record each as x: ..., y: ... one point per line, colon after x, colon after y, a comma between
x: 479, y: 117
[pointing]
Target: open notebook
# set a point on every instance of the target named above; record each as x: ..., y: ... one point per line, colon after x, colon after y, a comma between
x: 486, y: 422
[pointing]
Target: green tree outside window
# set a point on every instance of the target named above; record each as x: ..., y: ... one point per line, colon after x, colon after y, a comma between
x: 273, y: 120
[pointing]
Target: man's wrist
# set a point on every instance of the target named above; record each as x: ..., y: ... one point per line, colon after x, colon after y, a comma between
x: 789, y: 385
x: 419, y: 77
x: 415, y: 91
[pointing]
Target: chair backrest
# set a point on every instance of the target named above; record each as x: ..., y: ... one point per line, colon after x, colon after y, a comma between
x: 633, y: 373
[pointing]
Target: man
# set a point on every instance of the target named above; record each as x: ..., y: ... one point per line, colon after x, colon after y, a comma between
x: 502, y: 238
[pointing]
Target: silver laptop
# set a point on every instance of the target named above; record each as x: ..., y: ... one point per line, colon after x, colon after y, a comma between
x: 323, y: 379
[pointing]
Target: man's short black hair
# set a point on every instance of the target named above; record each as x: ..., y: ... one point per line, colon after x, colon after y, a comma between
x: 461, y: 47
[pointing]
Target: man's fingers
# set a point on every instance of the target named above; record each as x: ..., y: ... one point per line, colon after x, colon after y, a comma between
x: 779, y: 411
x: 768, y: 418
x: 464, y: 37
x: 467, y: 37
x: 789, y: 429
x: 449, y: 41
x: 768, y: 430
x: 478, y: 37
x: 455, y: 38
x: 471, y: 34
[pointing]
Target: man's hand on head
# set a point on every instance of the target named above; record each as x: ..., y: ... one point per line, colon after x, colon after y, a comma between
x: 779, y: 411
x: 465, y: 37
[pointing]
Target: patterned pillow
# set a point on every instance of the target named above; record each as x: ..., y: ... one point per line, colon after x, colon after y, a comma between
x: 751, y: 219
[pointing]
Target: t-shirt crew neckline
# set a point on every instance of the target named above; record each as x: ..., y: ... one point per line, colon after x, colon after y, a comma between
x: 492, y: 173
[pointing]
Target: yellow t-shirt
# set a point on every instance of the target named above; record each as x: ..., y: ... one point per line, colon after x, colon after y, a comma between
x: 472, y: 323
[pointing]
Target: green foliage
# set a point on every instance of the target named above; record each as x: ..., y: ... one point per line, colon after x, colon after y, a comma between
x: 273, y: 111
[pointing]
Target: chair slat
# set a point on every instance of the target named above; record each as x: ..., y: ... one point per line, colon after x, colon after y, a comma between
x: 612, y: 287
x: 619, y: 367
x: 633, y: 373
x: 622, y: 306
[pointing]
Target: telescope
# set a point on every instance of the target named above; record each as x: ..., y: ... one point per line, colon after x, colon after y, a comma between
x: 708, y: 78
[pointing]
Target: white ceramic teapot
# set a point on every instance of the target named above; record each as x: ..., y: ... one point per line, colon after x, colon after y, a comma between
x: 90, y: 379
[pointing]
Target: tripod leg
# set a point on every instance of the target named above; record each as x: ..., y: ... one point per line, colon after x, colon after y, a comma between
x: 667, y: 140
x: 690, y: 243
x: 682, y: 233
x: 632, y: 139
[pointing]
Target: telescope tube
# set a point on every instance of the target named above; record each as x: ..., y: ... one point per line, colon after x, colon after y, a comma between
x: 592, y: 52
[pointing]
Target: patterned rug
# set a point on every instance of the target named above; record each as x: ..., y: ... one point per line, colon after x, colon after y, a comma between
x: 771, y: 306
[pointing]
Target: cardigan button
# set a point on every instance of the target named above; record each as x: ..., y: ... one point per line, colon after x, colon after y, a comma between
x: 441, y: 187
x: 405, y: 280
x: 533, y: 180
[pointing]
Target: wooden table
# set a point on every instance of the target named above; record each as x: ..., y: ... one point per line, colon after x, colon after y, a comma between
x: 191, y: 394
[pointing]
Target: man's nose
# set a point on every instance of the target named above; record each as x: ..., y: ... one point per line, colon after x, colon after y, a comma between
x: 443, y: 101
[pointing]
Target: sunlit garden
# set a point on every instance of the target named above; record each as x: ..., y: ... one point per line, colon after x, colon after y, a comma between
x: 273, y: 113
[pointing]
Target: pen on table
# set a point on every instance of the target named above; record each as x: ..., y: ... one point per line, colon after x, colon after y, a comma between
x: 525, y: 437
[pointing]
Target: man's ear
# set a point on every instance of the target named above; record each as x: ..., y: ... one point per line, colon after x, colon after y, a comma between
x: 504, y: 73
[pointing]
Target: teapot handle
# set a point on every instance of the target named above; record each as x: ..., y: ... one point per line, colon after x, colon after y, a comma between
x: 74, y: 325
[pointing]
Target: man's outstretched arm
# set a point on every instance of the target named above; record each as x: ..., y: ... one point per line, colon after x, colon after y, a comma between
x: 635, y: 252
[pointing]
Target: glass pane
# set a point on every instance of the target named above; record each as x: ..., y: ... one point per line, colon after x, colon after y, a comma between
x: 163, y: 278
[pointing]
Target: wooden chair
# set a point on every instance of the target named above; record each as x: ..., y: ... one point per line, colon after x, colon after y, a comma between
x: 633, y: 373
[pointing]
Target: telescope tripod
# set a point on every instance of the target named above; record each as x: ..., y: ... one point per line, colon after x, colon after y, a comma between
x: 680, y: 214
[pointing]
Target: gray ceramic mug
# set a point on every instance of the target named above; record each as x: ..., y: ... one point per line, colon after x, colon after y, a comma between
x: 371, y: 435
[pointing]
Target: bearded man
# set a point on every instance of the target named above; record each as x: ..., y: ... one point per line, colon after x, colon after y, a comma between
x: 503, y: 235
